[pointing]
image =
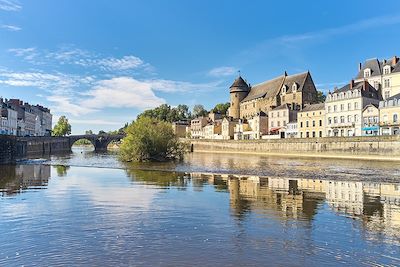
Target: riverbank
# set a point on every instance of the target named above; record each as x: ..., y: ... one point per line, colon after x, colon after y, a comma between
x: 382, y: 148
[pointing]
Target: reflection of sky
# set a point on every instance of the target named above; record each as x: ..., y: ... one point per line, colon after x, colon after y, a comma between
x: 94, y: 216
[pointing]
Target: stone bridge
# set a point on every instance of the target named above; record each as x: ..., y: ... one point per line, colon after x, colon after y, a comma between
x: 99, y: 141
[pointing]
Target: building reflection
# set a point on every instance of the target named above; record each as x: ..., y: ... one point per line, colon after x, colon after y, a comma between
x: 15, y: 179
x: 377, y: 205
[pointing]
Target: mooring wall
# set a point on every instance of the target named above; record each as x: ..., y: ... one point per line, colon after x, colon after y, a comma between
x: 8, y: 149
x: 385, y: 146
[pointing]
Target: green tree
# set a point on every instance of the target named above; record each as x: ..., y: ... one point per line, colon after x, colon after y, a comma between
x: 321, y: 97
x: 221, y: 108
x: 62, y: 128
x: 89, y: 132
x: 199, y: 110
x: 164, y: 112
x: 150, y: 139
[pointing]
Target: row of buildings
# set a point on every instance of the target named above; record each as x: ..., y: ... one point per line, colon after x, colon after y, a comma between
x: 22, y: 119
x: 288, y: 106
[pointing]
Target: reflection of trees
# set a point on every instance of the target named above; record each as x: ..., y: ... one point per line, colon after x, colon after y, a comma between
x: 61, y: 170
x: 160, y: 178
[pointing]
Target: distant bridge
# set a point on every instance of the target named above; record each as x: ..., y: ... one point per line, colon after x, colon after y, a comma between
x: 99, y: 141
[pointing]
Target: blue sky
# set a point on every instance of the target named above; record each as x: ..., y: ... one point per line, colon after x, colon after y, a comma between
x: 101, y: 63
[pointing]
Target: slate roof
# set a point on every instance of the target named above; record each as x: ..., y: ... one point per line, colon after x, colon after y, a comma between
x: 239, y: 85
x: 394, y: 97
x: 299, y: 79
x: 369, y: 91
x: 313, y: 107
x: 376, y: 67
x: 371, y: 104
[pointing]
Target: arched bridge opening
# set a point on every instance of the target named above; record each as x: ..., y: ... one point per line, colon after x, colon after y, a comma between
x: 99, y: 141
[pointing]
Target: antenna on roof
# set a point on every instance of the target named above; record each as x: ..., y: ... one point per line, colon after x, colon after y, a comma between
x: 239, y: 72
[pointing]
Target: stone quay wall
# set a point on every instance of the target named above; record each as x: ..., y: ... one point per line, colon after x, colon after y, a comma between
x: 374, y: 147
x: 8, y: 149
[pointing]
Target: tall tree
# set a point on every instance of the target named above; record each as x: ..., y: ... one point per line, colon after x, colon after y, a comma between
x: 221, y: 108
x: 199, y: 110
x: 321, y: 97
x: 62, y: 128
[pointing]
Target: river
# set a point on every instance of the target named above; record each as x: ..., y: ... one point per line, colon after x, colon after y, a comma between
x: 88, y: 209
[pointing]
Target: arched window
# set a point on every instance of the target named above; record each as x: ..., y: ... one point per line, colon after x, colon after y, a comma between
x: 294, y: 87
x: 284, y: 89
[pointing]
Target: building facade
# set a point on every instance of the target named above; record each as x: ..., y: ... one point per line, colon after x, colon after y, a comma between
x: 383, y: 75
x: 370, y: 117
x: 293, y: 90
x: 311, y: 121
x: 344, y: 108
x: 279, y: 117
x: 389, y: 112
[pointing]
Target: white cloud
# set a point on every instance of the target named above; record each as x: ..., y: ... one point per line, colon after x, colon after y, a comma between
x: 124, y: 63
x: 12, y: 28
x: 27, y: 53
x: 10, y: 5
x: 94, y: 122
x: 122, y: 92
x: 222, y: 71
x: 63, y: 104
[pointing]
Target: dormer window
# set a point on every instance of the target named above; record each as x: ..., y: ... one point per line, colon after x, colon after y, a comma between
x: 284, y: 89
x: 367, y: 73
x: 294, y: 87
x: 386, y: 70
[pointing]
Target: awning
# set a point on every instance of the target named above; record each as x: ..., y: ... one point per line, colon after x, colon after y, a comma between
x: 275, y: 129
x: 371, y: 128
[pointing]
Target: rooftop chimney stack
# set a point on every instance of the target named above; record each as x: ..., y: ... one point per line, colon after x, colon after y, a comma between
x: 359, y: 66
x: 365, y: 85
x: 351, y: 84
x: 394, y: 60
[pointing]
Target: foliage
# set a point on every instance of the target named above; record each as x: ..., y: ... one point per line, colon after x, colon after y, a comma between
x: 61, y: 170
x: 221, y: 108
x: 102, y: 132
x: 164, y: 112
x: 89, y: 132
x: 62, y: 128
x: 321, y: 97
x: 82, y: 142
x: 150, y: 139
x: 199, y: 110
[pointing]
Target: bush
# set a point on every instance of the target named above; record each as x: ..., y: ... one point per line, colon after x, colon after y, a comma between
x: 150, y: 139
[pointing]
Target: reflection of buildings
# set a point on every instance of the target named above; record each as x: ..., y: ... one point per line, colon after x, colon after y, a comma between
x: 13, y: 179
x: 377, y: 204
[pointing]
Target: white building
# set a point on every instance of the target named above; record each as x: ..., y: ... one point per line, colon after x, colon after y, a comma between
x: 291, y: 130
x: 344, y: 108
x: 8, y: 120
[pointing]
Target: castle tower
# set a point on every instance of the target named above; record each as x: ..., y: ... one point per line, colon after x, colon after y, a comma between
x: 238, y: 91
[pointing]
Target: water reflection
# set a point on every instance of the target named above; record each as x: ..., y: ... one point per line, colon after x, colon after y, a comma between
x: 16, y: 179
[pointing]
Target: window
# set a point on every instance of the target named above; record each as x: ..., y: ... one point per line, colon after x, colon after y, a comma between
x: 386, y: 83
x: 329, y: 120
x: 301, y: 135
x: 334, y: 108
x: 320, y: 122
x: 355, y: 105
x: 356, y: 117
x: 367, y: 73
x: 294, y: 87
x: 320, y: 133
x: 279, y: 123
x: 341, y: 119
x: 272, y: 124
x: 254, y: 105
x: 284, y: 123
x: 277, y: 114
x: 348, y: 106
x: 313, y: 123
x: 284, y: 89
x: 313, y: 134
x: 329, y: 109
x: 349, y: 118
x: 395, y: 118
x: 301, y: 124
x: 335, y: 120
x: 387, y: 94
x: 272, y: 114
x: 306, y: 123
x: 386, y: 70
x: 307, y: 134
x: 376, y: 85
x: 294, y: 96
x: 341, y: 107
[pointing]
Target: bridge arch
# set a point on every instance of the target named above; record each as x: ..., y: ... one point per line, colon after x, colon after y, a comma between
x: 99, y: 141
x: 88, y: 142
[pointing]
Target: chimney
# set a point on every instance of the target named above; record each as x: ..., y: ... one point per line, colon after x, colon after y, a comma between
x: 394, y: 60
x: 351, y: 84
x: 365, y: 85
x: 359, y: 66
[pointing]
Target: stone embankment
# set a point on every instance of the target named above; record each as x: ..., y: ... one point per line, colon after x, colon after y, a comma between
x: 374, y: 147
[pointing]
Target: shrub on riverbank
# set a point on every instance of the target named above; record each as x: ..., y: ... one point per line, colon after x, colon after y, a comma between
x: 150, y: 139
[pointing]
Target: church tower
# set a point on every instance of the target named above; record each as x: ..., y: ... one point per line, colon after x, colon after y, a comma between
x: 238, y: 91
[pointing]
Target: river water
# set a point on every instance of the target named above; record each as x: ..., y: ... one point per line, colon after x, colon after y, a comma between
x: 88, y: 209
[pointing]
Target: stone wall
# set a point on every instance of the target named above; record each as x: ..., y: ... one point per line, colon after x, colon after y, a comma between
x: 27, y: 146
x: 376, y: 147
x: 7, y: 149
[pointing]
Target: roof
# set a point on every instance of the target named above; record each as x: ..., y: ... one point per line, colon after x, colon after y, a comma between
x: 371, y: 105
x: 266, y: 89
x: 299, y: 79
x: 369, y: 91
x: 271, y: 88
x: 376, y: 66
x: 313, y: 107
x: 394, y: 97
x: 284, y: 106
x: 239, y: 85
